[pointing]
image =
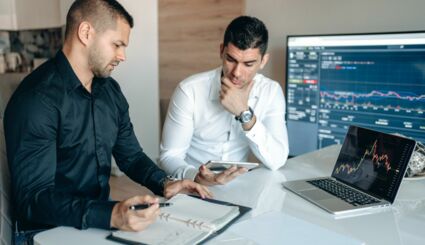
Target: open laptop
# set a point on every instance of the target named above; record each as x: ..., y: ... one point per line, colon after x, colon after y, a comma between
x: 367, y: 173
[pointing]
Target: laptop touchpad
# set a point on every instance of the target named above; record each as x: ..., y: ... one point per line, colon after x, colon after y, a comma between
x: 317, y: 194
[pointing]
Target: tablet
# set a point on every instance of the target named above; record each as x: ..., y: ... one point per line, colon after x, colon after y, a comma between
x: 223, y: 165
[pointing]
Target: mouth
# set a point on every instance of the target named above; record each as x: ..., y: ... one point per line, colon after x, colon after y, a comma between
x: 236, y: 81
x: 113, y: 65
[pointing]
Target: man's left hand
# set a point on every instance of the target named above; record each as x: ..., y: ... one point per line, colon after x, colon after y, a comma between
x: 234, y: 99
x: 185, y: 186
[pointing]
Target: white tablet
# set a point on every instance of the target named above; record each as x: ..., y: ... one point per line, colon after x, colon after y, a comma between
x: 223, y: 165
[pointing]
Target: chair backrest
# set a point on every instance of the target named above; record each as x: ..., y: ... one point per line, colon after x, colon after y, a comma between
x: 6, y: 89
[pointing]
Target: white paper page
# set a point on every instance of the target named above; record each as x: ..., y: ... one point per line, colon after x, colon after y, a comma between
x: 164, y: 233
x: 280, y: 228
x: 212, y: 216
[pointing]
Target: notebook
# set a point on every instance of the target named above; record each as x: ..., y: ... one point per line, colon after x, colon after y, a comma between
x: 189, y: 220
x: 366, y: 175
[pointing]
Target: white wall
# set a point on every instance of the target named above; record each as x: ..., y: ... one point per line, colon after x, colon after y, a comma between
x: 138, y: 76
x: 285, y: 17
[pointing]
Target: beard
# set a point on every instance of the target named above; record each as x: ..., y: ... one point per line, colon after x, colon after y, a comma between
x: 97, y: 63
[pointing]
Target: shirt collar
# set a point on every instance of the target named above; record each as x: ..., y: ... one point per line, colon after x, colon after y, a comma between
x: 68, y: 75
x: 216, y: 86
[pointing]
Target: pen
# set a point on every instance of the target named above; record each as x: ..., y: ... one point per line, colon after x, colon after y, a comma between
x: 143, y: 206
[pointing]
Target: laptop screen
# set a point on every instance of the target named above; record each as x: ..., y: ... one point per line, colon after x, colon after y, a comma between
x: 373, y: 162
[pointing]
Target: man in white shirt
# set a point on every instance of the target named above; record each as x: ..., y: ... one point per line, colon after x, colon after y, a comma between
x: 224, y: 113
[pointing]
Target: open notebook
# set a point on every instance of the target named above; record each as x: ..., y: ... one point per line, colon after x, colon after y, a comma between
x: 189, y: 220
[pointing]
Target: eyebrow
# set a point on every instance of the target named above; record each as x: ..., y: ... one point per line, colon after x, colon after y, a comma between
x: 245, y: 62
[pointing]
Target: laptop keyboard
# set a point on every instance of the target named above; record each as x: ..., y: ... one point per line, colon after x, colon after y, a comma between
x: 343, y: 192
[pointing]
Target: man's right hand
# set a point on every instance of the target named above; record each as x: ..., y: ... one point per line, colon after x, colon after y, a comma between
x: 208, y: 177
x: 123, y: 218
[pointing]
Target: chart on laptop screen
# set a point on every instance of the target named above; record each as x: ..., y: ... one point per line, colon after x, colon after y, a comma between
x: 372, y: 161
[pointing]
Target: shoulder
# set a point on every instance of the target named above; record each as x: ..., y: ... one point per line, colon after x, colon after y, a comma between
x: 199, y: 81
x: 265, y: 84
x: 43, y: 83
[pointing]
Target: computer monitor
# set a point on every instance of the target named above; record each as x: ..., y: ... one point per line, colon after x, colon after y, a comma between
x: 375, y: 81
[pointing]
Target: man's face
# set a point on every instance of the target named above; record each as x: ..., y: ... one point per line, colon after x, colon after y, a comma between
x: 240, y: 66
x: 108, y: 49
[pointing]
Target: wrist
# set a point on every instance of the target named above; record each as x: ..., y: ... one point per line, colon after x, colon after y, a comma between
x: 115, y: 216
x: 167, y: 180
x: 248, y: 126
x: 245, y: 116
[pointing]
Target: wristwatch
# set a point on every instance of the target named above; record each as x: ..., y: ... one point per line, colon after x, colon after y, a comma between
x: 167, y: 179
x: 245, y: 116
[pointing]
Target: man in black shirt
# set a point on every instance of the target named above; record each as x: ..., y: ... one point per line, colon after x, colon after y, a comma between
x: 64, y: 122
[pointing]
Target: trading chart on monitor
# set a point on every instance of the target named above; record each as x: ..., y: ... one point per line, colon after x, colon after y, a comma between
x: 371, y: 80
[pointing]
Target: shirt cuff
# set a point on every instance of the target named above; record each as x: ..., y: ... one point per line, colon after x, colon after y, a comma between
x: 98, y: 215
x: 191, y: 173
x: 255, y: 131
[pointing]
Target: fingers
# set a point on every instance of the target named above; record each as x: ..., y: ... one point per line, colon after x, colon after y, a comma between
x: 226, y: 83
x: 230, y: 174
x: 193, y: 187
x: 206, y: 172
x: 146, y: 199
x: 138, y: 220
x: 124, y: 218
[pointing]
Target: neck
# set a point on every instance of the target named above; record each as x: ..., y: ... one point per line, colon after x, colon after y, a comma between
x: 79, y: 66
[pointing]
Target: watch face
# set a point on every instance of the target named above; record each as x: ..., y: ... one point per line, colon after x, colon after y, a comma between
x: 246, y: 116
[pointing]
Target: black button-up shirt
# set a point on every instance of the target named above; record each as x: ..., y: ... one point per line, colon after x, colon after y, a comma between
x: 60, y: 139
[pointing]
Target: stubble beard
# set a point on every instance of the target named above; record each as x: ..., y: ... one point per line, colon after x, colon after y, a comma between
x: 96, y: 63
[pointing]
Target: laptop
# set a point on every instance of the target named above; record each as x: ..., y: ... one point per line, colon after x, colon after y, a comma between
x: 366, y: 175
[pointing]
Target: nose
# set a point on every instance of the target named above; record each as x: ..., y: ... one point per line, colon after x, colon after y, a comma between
x: 121, y: 54
x: 236, y: 72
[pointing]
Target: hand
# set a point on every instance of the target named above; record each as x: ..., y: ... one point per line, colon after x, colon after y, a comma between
x: 185, y: 186
x: 125, y: 219
x: 234, y: 99
x: 207, y: 177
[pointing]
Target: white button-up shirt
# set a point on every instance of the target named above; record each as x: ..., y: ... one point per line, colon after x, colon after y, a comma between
x: 198, y: 128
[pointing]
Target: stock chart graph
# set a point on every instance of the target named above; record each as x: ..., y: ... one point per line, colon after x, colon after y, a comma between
x: 373, y: 81
x: 370, y: 156
x: 384, y: 91
x: 372, y: 160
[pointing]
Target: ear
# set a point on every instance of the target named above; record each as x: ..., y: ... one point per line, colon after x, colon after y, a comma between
x: 221, y: 50
x: 264, y: 60
x: 85, y: 32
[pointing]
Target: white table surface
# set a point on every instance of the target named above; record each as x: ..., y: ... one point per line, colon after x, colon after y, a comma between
x: 262, y: 190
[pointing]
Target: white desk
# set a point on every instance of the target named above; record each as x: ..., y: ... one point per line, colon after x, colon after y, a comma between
x: 261, y: 190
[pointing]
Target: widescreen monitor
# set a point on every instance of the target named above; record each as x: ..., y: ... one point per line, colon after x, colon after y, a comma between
x: 375, y: 81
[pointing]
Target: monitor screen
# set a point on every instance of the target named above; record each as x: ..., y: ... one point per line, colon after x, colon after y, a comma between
x: 375, y: 81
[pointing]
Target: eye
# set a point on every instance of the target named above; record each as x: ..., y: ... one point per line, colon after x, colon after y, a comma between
x: 230, y: 59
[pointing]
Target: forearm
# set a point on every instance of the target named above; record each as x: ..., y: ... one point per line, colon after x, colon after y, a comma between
x: 269, y: 146
x: 145, y: 172
x: 49, y: 207
x: 176, y: 166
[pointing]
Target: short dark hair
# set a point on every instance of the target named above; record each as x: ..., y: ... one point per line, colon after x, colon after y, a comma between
x: 102, y: 14
x: 247, y: 32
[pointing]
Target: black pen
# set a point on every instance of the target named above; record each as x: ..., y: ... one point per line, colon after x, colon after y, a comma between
x: 143, y: 206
